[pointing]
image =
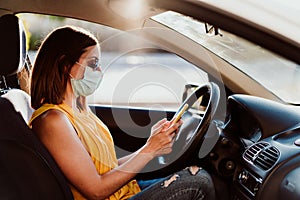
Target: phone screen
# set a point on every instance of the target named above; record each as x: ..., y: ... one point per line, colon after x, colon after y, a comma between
x: 179, y: 114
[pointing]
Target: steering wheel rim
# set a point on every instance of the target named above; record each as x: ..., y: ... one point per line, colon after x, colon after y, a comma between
x: 191, y: 134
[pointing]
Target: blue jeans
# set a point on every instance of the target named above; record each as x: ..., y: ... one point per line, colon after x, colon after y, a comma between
x: 179, y: 186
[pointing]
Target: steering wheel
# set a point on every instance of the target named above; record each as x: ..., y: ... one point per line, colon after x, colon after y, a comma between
x: 196, y: 121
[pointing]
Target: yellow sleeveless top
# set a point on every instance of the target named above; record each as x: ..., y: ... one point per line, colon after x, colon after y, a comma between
x: 97, y: 139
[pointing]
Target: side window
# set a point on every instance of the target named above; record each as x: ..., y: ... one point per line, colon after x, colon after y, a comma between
x: 150, y: 78
x: 136, y: 72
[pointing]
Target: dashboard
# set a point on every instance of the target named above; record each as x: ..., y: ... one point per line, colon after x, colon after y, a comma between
x: 259, y: 149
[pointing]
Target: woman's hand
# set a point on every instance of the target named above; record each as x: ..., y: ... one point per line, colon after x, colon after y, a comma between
x: 161, y: 139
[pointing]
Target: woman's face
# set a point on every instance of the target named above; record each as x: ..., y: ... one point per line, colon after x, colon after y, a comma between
x: 90, y: 58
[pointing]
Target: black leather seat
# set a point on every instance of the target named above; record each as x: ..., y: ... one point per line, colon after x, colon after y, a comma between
x: 27, y: 170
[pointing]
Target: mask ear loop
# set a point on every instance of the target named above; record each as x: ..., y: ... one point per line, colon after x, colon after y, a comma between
x: 71, y: 76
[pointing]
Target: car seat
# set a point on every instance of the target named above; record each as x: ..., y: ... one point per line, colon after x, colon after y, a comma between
x: 12, y: 56
x: 27, y: 170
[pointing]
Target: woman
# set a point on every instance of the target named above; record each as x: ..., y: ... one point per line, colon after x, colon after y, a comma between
x: 67, y: 70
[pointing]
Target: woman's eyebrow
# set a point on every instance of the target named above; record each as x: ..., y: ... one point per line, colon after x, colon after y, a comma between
x: 93, y: 57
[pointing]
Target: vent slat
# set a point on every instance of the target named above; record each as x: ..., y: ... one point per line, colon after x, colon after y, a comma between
x: 271, y: 156
x: 266, y: 159
x: 262, y: 164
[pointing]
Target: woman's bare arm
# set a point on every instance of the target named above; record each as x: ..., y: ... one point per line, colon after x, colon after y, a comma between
x: 163, y: 122
x: 58, y: 135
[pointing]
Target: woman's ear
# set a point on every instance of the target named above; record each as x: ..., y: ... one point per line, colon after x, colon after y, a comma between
x: 61, y: 61
x: 64, y: 64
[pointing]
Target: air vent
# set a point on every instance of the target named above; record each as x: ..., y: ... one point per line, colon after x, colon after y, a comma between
x: 262, y: 154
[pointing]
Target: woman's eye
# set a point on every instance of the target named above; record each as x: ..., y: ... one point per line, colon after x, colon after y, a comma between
x: 93, y: 64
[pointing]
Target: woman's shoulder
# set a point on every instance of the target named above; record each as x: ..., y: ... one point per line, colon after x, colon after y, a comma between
x: 51, y: 117
x: 49, y: 111
x: 53, y: 114
x: 53, y: 125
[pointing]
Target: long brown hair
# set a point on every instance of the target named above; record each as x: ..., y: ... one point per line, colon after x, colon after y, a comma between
x: 56, y: 55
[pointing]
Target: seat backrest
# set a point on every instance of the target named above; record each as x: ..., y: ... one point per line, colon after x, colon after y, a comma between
x: 27, y: 170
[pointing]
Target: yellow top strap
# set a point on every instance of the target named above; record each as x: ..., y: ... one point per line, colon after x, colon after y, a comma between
x: 97, y: 139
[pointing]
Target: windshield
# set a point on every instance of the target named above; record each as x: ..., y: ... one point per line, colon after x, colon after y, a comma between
x: 277, y: 74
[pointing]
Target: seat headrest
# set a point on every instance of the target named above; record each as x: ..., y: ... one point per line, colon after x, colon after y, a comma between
x: 12, y: 45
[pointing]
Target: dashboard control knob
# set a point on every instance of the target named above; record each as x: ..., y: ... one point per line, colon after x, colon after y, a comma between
x: 230, y: 165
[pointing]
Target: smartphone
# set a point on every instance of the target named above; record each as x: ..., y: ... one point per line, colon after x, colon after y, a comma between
x: 179, y: 113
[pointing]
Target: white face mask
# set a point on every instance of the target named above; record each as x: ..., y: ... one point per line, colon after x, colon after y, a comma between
x: 88, y: 84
